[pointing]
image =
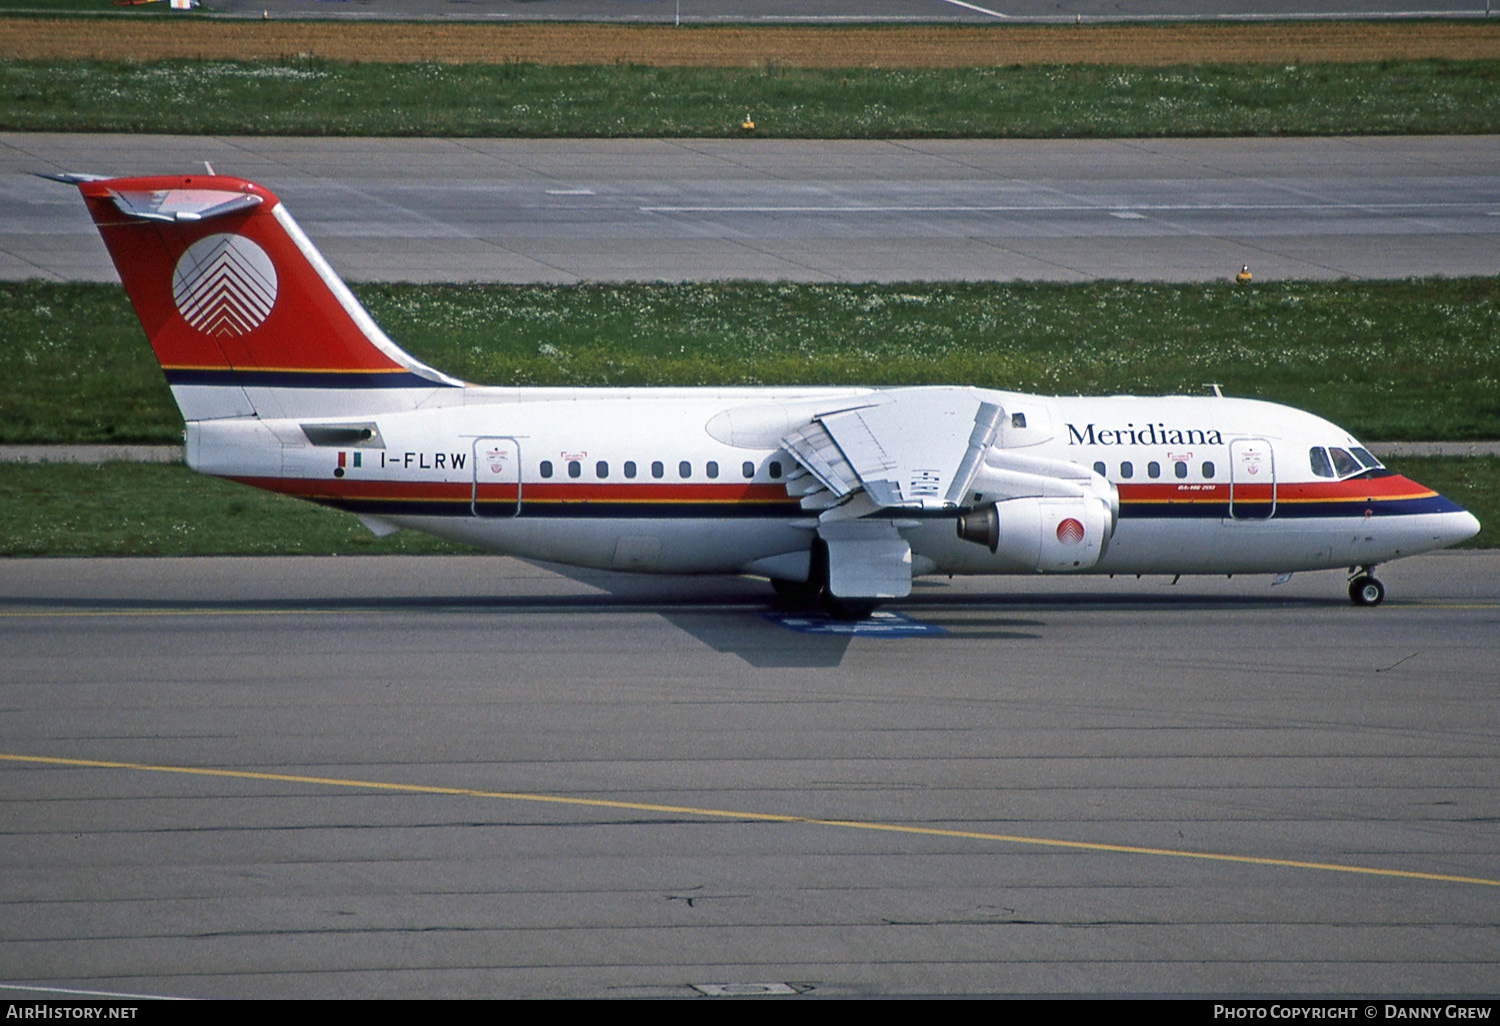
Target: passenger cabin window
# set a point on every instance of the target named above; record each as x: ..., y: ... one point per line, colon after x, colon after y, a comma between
x: 1208, y: 470
x: 748, y: 469
x: 1153, y: 469
x: 575, y: 469
x: 1099, y: 469
x: 657, y: 469
x: 1180, y: 469
x: 630, y: 468
x: 546, y: 468
x: 684, y: 469
x: 775, y: 469
x: 1318, y: 457
x: 712, y: 468
x: 1127, y: 469
x: 601, y: 469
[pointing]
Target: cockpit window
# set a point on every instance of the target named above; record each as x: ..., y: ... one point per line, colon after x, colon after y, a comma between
x: 1353, y: 462
x: 1319, y: 458
x: 1343, y: 463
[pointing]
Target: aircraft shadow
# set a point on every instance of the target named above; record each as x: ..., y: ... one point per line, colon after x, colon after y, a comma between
x: 733, y: 616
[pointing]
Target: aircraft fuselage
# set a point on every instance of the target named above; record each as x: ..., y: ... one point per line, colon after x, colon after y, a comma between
x: 694, y: 481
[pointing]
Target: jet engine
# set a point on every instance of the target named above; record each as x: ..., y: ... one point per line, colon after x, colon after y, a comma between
x: 1042, y: 514
x: 1044, y: 534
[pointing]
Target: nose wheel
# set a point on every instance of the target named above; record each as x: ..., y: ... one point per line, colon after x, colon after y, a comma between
x: 1365, y: 590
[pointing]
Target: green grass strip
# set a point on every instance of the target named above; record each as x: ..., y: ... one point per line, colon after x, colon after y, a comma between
x: 324, y: 98
x: 122, y: 509
x: 96, y: 7
x: 126, y: 509
x: 1387, y: 360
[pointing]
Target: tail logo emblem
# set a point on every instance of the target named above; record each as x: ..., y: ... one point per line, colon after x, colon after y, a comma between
x: 224, y: 285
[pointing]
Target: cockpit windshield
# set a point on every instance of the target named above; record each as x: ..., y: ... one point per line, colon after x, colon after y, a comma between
x: 1342, y: 463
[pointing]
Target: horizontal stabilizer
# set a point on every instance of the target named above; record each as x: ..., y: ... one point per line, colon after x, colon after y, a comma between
x: 183, y: 205
x: 69, y: 177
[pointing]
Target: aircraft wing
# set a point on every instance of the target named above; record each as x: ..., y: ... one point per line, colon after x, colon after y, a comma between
x: 871, y: 470
x: 908, y: 451
x: 911, y: 449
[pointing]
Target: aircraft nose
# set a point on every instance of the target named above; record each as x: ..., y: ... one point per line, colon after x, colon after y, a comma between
x: 1461, y: 526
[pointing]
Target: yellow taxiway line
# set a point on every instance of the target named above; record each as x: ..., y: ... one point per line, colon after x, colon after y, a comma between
x: 762, y: 817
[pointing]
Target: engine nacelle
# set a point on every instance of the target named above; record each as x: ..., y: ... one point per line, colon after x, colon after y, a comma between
x: 1047, y: 534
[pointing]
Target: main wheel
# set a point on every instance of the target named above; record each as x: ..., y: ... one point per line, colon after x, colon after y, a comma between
x: 1365, y: 590
x: 796, y: 593
x: 848, y: 609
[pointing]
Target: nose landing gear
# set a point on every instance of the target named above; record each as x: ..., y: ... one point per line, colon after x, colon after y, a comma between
x: 1364, y: 589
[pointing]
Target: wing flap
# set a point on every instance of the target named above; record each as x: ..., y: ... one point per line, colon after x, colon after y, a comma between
x: 815, y: 449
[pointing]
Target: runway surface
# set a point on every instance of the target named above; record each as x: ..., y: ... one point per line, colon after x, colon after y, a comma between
x: 476, y: 777
x: 590, y: 210
x: 795, y: 11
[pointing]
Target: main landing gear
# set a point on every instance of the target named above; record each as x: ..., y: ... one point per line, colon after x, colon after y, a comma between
x: 1364, y: 589
x: 809, y: 594
x: 814, y: 592
x: 796, y: 593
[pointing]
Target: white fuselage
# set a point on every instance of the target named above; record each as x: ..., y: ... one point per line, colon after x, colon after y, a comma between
x: 693, y: 481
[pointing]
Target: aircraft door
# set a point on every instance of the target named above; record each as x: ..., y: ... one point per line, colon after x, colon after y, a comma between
x: 497, y: 477
x: 1252, y: 479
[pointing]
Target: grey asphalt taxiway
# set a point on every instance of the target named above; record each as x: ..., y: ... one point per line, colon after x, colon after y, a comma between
x: 477, y: 777
x: 631, y: 210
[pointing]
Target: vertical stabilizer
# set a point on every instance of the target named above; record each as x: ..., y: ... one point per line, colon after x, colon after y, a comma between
x: 244, y: 314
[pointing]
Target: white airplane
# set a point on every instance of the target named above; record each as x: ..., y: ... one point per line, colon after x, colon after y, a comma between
x: 838, y: 495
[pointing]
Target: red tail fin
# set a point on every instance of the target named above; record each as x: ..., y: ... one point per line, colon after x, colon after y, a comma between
x: 238, y: 305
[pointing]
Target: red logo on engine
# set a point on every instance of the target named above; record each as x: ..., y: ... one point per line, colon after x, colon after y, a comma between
x: 1070, y: 532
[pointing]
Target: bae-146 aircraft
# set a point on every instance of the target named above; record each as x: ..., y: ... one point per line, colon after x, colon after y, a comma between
x: 837, y: 495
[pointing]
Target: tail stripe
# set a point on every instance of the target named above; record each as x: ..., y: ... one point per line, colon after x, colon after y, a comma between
x: 294, y: 378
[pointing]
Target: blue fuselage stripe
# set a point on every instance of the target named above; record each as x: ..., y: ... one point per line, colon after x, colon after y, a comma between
x: 1288, y: 510
x: 299, y: 379
x: 547, y: 510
